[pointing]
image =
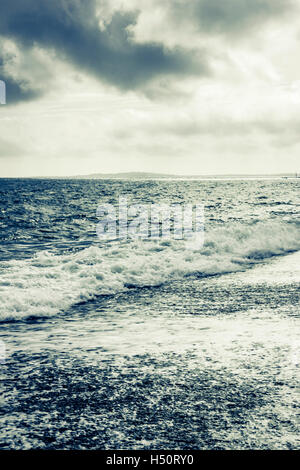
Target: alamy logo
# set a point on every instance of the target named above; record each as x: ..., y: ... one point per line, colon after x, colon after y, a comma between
x: 2, y: 92
x: 152, y: 221
x: 2, y: 351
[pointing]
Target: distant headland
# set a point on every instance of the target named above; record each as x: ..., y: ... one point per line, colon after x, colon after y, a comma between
x: 154, y: 176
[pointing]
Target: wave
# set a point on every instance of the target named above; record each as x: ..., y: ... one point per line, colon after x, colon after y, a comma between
x: 48, y: 284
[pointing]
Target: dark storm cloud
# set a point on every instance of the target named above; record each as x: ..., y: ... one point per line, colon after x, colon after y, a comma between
x: 70, y: 29
x: 229, y: 16
x: 17, y: 90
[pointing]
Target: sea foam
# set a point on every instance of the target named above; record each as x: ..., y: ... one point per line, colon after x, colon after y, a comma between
x: 48, y: 284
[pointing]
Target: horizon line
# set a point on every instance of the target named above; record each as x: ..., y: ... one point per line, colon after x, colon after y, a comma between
x: 154, y: 174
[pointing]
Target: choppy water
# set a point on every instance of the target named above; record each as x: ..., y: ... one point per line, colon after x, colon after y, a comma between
x: 148, y: 344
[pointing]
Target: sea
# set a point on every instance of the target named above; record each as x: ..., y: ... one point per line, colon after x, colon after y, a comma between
x: 149, y: 344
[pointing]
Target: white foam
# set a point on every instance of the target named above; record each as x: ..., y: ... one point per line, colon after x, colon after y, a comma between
x: 48, y: 284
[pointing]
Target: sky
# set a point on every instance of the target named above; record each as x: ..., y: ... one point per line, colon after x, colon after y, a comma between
x: 185, y: 87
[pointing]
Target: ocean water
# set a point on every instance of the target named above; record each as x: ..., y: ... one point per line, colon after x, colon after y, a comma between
x: 149, y: 344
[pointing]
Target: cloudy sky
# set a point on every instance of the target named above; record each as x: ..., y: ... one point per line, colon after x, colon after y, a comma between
x: 173, y: 86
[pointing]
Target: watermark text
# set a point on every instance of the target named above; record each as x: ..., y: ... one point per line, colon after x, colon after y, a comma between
x: 154, y: 221
x: 2, y: 92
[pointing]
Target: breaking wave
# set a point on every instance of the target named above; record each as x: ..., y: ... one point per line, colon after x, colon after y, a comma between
x: 48, y: 284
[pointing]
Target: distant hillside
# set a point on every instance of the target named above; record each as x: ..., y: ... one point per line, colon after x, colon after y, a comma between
x: 126, y: 175
x: 152, y: 176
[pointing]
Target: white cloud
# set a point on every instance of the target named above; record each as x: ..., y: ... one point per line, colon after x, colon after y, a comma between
x: 243, y: 117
